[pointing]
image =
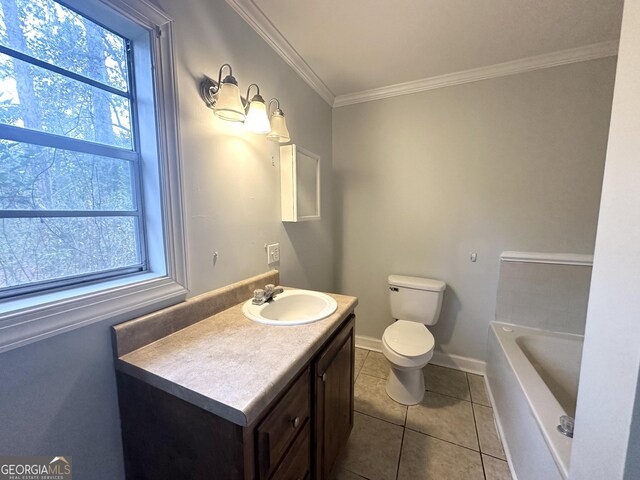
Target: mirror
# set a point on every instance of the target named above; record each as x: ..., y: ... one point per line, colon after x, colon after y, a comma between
x: 299, y: 184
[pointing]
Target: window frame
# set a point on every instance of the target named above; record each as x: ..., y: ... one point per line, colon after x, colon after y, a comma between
x: 49, y: 140
x: 28, y: 318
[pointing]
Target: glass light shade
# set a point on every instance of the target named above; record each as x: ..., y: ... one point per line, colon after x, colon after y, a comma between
x: 228, y: 104
x: 279, y: 132
x: 257, y: 120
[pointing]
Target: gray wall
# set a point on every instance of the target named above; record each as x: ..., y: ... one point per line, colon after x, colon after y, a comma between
x: 58, y: 396
x: 607, y: 435
x: 422, y: 180
x: 547, y: 296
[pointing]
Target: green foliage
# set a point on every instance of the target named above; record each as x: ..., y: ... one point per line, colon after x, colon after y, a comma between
x: 34, y: 177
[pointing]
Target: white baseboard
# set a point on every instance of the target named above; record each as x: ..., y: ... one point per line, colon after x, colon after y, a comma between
x: 458, y: 362
x: 369, y: 343
x: 450, y: 360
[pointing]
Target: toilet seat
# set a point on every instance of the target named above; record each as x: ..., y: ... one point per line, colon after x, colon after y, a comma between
x: 409, y: 339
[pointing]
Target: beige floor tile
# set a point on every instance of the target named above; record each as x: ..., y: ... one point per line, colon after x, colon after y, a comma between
x: 478, y: 390
x: 361, y: 355
x: 446, y: 381
x: 495, y: 469
x: 343, y: 474
x: 371, y: 398
x: 373, y: 450
x: 489, y: 441
x: 444, y: 417
x: 376, y: 365
x: 428, y: 458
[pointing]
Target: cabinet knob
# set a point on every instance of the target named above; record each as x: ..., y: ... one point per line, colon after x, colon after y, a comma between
x: 295, y: 422
x: 324, y: 377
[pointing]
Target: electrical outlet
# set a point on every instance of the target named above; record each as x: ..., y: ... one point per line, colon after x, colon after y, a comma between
x: 273, y: 253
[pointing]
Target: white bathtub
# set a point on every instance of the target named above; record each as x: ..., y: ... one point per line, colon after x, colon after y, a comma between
x: 532, y: 377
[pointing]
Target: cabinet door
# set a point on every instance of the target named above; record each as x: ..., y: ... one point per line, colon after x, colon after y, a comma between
x: 334, y: 399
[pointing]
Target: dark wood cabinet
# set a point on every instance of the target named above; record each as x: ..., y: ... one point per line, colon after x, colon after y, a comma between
x: 333, y: 399
x: 297, y: 464
x: 298, y: 437
x: 280, y: 427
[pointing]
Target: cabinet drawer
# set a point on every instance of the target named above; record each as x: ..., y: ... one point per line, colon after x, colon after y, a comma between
x: 296, y: 464
x: 276, y: 432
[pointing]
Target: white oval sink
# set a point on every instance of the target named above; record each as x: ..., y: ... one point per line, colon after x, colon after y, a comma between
x: 292, y: 307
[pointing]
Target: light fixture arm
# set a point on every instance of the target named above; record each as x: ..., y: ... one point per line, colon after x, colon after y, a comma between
x: 277, y: 110
x: 209, y: 88
x: 259, y: 97
x: 217, y: 87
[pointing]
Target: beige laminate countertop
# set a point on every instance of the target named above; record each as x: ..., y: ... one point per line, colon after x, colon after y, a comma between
x: 230, y: 365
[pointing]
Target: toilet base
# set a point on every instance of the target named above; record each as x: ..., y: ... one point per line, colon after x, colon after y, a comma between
x: 406, y: 386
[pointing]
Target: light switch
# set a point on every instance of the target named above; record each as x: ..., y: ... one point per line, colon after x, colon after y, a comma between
x: 273, y: 253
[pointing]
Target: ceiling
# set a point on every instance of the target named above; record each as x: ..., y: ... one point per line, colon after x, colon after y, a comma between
x: 351, y: 46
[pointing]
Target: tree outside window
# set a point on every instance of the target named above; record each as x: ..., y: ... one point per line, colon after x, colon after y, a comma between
x: 70, y: 191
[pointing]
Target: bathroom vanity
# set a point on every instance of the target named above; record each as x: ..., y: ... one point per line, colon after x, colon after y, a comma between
x: 206, y: 393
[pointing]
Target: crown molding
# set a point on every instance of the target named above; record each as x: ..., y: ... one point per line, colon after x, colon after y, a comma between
x: 562, y: 57
x: 257, y: 20
x: 251, y: 13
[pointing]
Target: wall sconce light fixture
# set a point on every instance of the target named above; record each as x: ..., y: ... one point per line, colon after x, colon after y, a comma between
x: 257, y: 120
x: 223, y: 97
x: 279, y: 132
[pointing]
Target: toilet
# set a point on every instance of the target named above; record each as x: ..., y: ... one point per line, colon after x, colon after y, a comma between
x: 408, y: 344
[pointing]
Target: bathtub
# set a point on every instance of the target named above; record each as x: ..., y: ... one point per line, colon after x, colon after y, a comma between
x: 532, y: 378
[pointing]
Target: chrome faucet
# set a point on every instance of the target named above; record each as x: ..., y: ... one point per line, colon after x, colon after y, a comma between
x: 261, y: 296
x: 566, y: 426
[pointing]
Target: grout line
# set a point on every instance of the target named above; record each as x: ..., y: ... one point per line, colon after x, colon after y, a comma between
x: 469, y: 387
x: 361, y: 366
x: 406, y: 415
x: 495, y: 426
x: 400, y: 454
x: 355, y: 473
x: 443, y: 440
x: 475, y: 423
x: 366, y: 355
x: 484, y: 472
x: 401, y: 425
x: 378, y: 418
x: 484, y: 389
x: 373, y: 376
x: 493, y: 456
x: 449, y: 396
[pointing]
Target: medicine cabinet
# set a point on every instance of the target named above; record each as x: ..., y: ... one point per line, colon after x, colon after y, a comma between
x: 299, y: 184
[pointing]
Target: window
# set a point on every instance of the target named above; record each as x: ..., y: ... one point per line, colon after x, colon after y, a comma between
x: 90, y: 204
x: 69, y: 166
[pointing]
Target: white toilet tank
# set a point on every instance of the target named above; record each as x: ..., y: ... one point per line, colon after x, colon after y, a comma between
x: 415, y: 299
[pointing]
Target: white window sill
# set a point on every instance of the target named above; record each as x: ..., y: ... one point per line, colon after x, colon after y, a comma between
x: 27, y: 320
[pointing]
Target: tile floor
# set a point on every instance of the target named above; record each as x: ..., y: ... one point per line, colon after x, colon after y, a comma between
x: 450, y: 435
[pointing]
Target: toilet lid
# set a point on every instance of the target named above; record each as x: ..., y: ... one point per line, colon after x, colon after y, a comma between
x: 409, y: 338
